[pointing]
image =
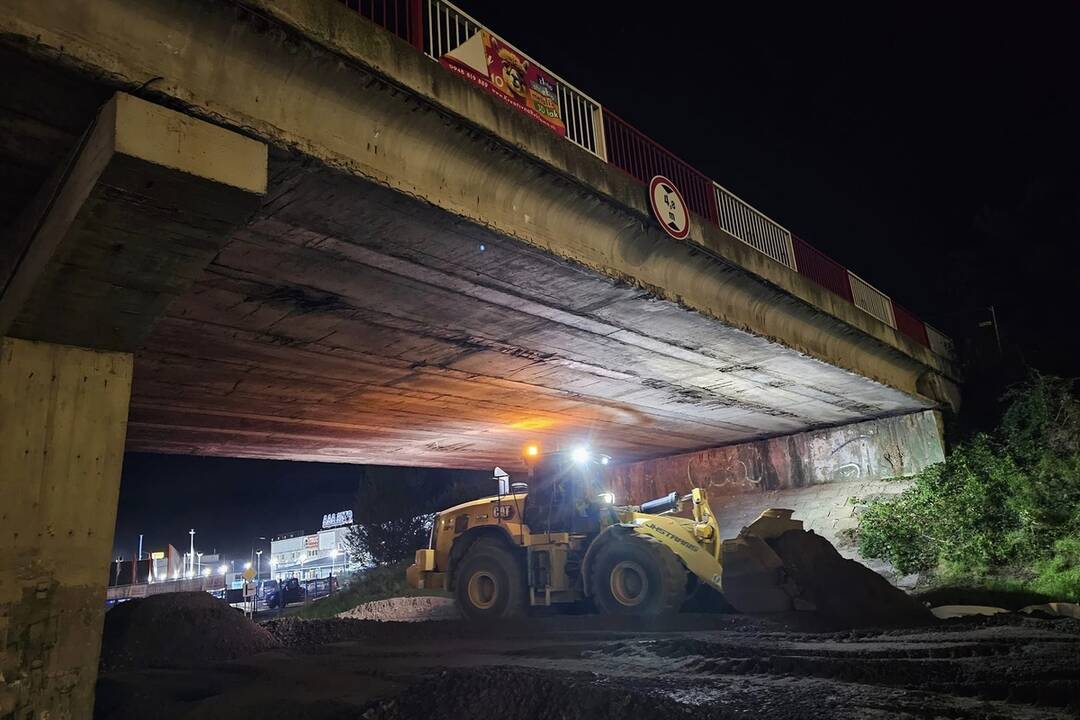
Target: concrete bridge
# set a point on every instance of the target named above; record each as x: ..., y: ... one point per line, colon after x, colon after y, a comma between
x: 278, y: 229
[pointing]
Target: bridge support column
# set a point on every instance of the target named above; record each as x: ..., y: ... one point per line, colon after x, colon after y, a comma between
x: 63, y: 414
x: 146, y: 199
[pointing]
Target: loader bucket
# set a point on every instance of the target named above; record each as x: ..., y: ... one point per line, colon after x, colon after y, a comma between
x: 754, y: 579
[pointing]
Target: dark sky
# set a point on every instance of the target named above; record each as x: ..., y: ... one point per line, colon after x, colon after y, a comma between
x: 932, y: 150
x: 229, y: 502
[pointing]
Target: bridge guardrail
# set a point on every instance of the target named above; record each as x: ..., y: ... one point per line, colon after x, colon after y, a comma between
x: 743, y: 221
x: 437, y: 27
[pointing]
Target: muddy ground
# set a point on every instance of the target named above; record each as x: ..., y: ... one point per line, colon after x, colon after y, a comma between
x: 568, y: 667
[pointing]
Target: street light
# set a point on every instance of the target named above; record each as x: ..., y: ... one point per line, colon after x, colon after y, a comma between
x: 333, y: 559
x: 223, y: 570
x: 258, y: 564
x: 199, y: 554
x: 247, y: 566
x: 191, y: 532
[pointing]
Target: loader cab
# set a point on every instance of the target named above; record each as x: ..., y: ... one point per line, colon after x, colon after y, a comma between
x: 564, y: 491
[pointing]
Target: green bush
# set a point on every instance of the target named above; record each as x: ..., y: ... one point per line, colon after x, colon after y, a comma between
x: 1006, y: 500
x: 1058, y: 576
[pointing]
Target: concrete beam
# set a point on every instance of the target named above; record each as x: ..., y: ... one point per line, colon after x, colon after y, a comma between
x: 126, y: 225
x: 360, y: 100
x: 63, y: 411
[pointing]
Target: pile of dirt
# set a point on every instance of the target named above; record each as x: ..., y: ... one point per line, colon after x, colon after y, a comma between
x: 187, y: 629
x: 297, y: 632
x: 404, y: 609
x: 843, y: 591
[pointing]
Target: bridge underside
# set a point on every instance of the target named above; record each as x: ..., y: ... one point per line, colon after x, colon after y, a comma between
x: 350, y: 323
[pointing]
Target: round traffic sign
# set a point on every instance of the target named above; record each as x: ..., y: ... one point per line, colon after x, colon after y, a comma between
x: 669, y: 207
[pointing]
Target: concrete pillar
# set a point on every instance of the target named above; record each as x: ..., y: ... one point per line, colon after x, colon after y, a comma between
x: 63, y: 417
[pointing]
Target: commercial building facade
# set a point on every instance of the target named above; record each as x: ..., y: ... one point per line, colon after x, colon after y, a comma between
x: 308, y: 556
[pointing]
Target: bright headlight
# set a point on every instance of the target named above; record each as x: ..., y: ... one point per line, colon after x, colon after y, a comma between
x: 580, y: 455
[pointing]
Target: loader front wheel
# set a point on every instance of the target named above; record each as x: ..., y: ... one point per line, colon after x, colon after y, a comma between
x: 636, y: 575
x: 489, y: 583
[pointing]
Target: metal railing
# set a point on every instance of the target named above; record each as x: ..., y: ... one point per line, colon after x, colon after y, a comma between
x: 938, y: 341
x: 642, y: 158
x: 448, y: 27
x: 910, y: 325
x: 868, y: 298
x: 821, y: 268
x: 583, y: 117
x: 437, y: 27
x: 141, y: 590
x: 742, y: 221
x: 397, y: 16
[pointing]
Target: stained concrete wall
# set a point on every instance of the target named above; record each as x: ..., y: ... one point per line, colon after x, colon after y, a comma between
x: 63, y: 415
x: 818, y: 474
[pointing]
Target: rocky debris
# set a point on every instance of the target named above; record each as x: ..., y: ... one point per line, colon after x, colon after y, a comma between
x: 297, y: 632
x: 404, y: 609
x: 841, y: 591
x: 186, y: 629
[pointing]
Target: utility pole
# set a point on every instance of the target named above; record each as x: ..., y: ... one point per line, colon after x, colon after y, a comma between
x: 997, y: 335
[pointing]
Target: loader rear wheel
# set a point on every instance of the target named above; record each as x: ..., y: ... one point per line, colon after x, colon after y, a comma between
x: 636, y: 575
x: 489, y: 583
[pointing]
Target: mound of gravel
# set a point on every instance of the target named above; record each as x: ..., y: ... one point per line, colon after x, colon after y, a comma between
x: 843, y: 591
x: 297, y: 632
x: 404, y: 609
x: 187, y: 629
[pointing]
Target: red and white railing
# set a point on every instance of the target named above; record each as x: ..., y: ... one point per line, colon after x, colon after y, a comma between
x: 436, y: 27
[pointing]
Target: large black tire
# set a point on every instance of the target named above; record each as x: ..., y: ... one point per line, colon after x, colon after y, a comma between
x: 636, y: 575
x: 489, y: 582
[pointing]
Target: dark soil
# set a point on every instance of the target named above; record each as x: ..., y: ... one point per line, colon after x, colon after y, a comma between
x: 190, y: 629
x: 841, y: 591
x: 718, y: 666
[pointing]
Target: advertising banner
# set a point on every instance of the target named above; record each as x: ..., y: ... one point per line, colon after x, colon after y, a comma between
x: 504, y: 71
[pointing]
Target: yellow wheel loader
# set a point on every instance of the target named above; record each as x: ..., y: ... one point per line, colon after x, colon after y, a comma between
x: 561, y: 538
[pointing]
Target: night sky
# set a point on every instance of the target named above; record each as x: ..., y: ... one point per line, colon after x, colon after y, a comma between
x: 932, y: 150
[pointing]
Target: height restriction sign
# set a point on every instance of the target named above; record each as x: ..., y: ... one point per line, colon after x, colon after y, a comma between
x: 669, y: 207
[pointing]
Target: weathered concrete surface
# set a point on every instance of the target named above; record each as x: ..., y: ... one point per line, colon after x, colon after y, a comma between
x: 357, y: 317
x: 349, y: 322
x: 815, y: 473
x: 125, y: 225
x: 63, y: 413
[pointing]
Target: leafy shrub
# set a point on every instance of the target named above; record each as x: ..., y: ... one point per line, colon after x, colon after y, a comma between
x: 1058, y: 576
x: 1001, y: 500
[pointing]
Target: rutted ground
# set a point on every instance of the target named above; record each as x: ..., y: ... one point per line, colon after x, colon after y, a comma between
x: 713, y: 666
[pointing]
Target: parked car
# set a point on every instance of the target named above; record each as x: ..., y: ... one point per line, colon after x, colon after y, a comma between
x: 285, y: 593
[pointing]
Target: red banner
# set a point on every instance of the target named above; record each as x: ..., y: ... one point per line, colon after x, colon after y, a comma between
x: 502, y: 70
